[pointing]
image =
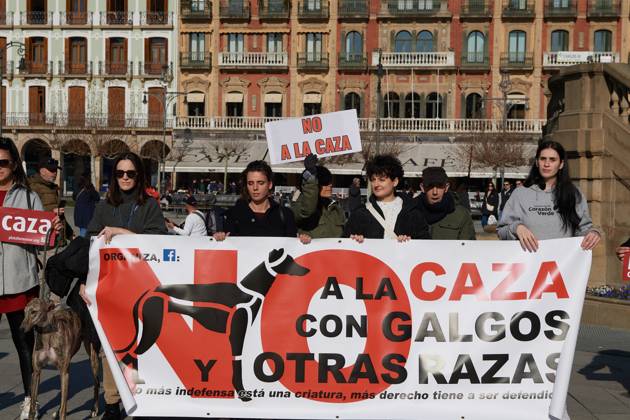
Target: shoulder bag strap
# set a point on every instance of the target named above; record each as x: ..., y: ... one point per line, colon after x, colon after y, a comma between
x: 380, y: 220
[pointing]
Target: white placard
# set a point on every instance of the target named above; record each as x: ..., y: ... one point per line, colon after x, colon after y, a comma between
x: 335, y: 133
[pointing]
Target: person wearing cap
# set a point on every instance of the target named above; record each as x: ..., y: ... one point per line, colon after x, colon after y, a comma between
x: 195, y: 224
x: 447, y: 218
x: 317, y: 215
x: 44, y: 183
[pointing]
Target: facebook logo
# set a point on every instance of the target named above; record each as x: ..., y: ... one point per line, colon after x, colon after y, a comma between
x: 169, y: 255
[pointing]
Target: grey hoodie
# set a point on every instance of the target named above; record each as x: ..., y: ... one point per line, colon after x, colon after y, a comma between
x: 534, y: 208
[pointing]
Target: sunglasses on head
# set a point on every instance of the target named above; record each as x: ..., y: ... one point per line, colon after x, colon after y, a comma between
x: 131, y: 174
x: 5, y: 163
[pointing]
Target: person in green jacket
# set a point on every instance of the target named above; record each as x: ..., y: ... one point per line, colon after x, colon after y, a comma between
x: 317, y: 215
x: 447, y: 218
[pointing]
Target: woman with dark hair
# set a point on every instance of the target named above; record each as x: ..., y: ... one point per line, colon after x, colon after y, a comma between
x: 256, y: 213
x: 490, y: 204
x: 18, y: 277
x: 85, y: 199
x: 127, y: 209
x: 549, y: 206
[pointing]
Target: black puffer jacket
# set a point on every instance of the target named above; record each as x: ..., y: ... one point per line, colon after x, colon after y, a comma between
x: 410, y: 222
x: 240, y: 220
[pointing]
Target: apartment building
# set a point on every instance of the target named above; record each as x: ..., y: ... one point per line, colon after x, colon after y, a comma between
x: 446, y: 67
x: 75, y: 74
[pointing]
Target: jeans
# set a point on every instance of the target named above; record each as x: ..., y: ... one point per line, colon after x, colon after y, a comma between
x: 83, y: 232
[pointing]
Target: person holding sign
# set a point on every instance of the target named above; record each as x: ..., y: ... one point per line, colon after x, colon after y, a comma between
x: 18, y: 278
x: 387, y: 214
x: 256, y: 213
x: 550, y: 206
x: 623, y: 249
x: 317, y: 215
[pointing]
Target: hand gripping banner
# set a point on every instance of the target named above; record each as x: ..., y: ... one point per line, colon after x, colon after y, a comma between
x: 272, y: 328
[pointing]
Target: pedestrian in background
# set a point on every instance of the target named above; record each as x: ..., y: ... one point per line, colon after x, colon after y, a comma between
x: 85, y: 199
x: 354, y: 195
x: 489, y: 206
x: 506, y: 192
x: 195, y: 223
x: 550, y: 206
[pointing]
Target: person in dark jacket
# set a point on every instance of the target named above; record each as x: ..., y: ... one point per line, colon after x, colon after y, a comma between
x: 506, y: 192
x: 85, y: 200
x: 354, y: 195
x: 317, y: 215
x: 489, y: 205
x: 127, y: 209
x: 256, y: 213
x: 387, y: 214
x: 446, y: 216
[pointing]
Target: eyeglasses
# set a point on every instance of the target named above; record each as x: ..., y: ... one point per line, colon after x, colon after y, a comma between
x: 5, y: 163
x: 131, y: 174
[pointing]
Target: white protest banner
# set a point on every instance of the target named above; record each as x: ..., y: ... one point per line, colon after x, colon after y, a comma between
x: 336, y: 133
x: 272, y: 328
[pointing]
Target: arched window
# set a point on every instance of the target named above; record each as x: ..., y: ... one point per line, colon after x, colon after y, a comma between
x: 391, y: 106
x: 559, y: 41
x: 474, y: 106
x: 354, y: 46
x: 424, y: 42
x: 603, y: 41
x: 475, y: 46
x: 412, y: 105
x: 517, y: 47
x: 353, y: 101
x: 402, y: 42
x: 434, y: 106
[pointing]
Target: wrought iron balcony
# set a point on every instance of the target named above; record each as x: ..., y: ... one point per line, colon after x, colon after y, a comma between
x: 273, y: 9
x: 6, y: 18
x: 37, y: 68
x: 195, y: 60
x: 234, y: 10
x: 566, y: 9
x: 313, y: 10
x: 155, y: 69
x: 353, y: 9
x: 156, y: 18
x: 312, y: 61
x: 518, y: 9
x: 115, y: 69
x: 414, y: 59
x: 571, y: 58
x: 36, y: 18
x: 475, y: 61
x: 349, y: 61
x: 71, y: 69
x: 517, y: 61
x: 89, y: 121
x: 413, y: 9
x: 75, y: 18
x: 201, y: 10
x: 253, y: 59
x: 117, y: 18
x: 475, y: 9
x: 603, y: 9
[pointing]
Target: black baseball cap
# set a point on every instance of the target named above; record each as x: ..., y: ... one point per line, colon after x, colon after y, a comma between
x: 191, y: 201
x: 434, y: 176
x: 48, y: 163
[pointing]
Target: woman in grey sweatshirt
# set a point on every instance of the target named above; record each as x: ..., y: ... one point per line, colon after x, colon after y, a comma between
x: 549, y: 205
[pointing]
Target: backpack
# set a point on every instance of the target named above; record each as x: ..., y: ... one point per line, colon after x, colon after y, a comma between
x: 212, y: 226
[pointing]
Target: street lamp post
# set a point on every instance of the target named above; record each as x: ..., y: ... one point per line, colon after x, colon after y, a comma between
x: 20, y: 51
x: 379, y: 99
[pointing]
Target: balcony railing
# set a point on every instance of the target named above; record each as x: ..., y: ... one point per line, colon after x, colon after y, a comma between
x: 195, y: 60
x: 196, y: 10
x: 518, y: 9
x: 89, y: 121
x: 411, y: 8
x: 312, y: 61
x: 6, y: 18
x: 35, y: 18
x: 255, y: 59
x: 75, y: 18
x: 117, y: 18
x: 565, y: 9
x: 352, y: 61
x: 156, y: 18
x: 387, y: 125
x: 313, y: 10
x: 414, y: 60
x: 475, y: 9
x: 115, y: 69
x: 475, y: 61
x: 32, y: 68
x: 155, y: 69
x: 235, y: 10
x: 609, y: 9
x: 273, y: 9
x: 70, y: 69
x: 517, y: 61
x: 570, y: 58
x: 353, y: 9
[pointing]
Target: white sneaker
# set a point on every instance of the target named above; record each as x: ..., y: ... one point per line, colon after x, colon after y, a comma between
x: 26, y: 407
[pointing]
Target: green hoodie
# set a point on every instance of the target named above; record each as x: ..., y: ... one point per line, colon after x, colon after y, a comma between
x: 307, y: 218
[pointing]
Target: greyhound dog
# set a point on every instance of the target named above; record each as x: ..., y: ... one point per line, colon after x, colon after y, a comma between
x: 59, y: 336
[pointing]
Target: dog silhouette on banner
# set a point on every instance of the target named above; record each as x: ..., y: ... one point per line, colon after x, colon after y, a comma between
x: 246, y: 296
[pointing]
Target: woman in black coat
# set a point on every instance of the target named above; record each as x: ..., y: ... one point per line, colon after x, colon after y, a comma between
x: 490, y: 204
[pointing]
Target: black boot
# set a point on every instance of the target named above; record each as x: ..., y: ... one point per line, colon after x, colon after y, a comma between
x: 112, y: 412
